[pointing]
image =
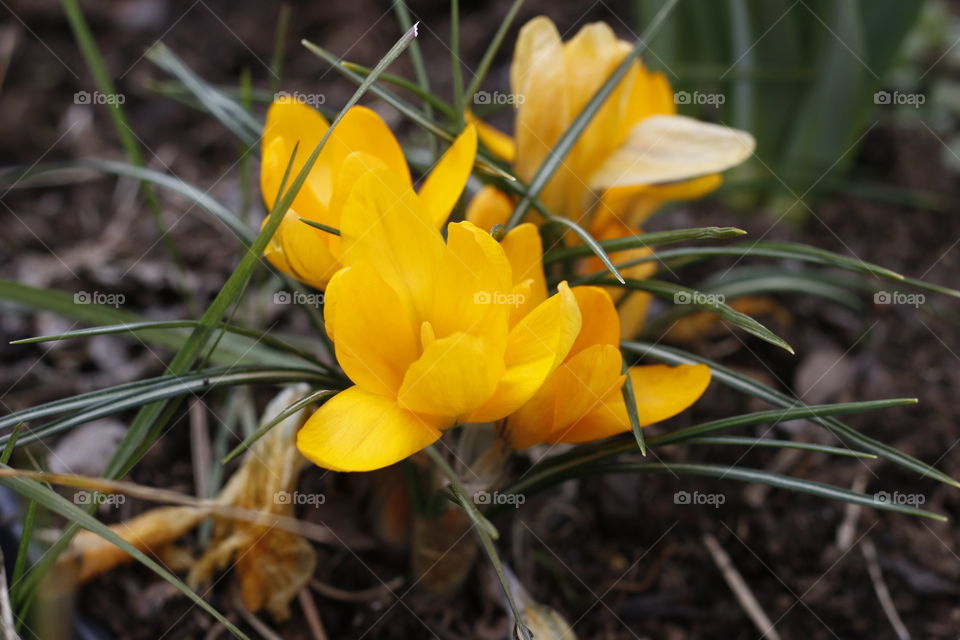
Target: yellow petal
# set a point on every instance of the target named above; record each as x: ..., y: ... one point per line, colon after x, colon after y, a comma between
x: 663, y: 391
x: 442, y: 188
x: 589, y: 396
x: 537, y: 79
x: 670, y: 148
x: 376, y: 336
x: 489, y: 207
x: 499, y: 143
x: 524, y: 250
x: 302, y: 251
x: 353, y: 166
x: 633, y: 205
x: 535, y: 347
x: 362, y: 129
x: 361, y: 431
x: 384, y: 224
x: 473, y: 286
x: 454, y: 376
x: 601, y: 325
x: 289, y: 123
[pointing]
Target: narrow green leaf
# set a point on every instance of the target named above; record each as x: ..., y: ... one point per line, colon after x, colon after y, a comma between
x: 707, y: 302
x: 645, y: 240
x: 742, y: 383
x: 630, y: 399
x: 484, y: 67
x: 322, y: 227
x: 739, y: 441
x: 36, y: 492
x: 402, y: 83
x: 756, y: 476
x: 261, y: 431
x: 589, y: 241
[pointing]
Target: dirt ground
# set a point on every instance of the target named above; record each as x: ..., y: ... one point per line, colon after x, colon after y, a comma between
x: 616, y: 555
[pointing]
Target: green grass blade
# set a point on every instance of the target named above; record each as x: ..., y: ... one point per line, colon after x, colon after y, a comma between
x: 756, y: 476
x: 402, y: 83
x: 321, y: 226
x: 555, y: 469
x: 484, y: 67
x: 261, y: 431
x: 49, y: 499
x: 227, y: 111
x: 630, y: 399
x: 456, y: 72
x: 645, y: 240
x: 739, y: 441
x: 684, y: 295
x: 734, y: 380
x: 569, y: 138
x: 589, y: 242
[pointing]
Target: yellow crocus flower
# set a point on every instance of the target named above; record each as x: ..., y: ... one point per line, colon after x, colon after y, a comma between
x: 360, y: 142
x: 431, y: 333
x: 633, y: 144
x: 582, y: 400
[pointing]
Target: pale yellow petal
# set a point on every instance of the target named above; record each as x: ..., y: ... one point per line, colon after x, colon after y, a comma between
x: 442, y: 188
x: 361, y: 431
x: 665, y: 148
x: 454, y: 376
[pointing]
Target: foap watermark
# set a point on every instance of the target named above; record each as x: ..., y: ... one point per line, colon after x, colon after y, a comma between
x: 699, y: 499
x: 898, y: 498
x: 699, y: 97
x: 297, y: 497
x: 498, y: 297
x: 298, y: 297
x: 312, y: 99
x: 98, y: 97
x: 98, y: 498
x: 99, y: 297
x: 899, y: 98
x: 498, y: 97
x: 495, y: 497
x: 699, y: 298
x: 898, y: 297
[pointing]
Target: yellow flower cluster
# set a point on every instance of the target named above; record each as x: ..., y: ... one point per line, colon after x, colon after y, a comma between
x: 437, y: 331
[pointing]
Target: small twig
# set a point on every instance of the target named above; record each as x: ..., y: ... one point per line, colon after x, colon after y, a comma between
x: 364, y: 595
x: 851, y: 514
x: 310, y: 612
x: 259, y: 625
x: 200, y: 448
x: 739, y: 587
x: 869, y: 552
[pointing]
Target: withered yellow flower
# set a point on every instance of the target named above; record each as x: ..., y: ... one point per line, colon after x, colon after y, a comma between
x: 431, y: 333
x: 360, y: 142
x: 582, y: 400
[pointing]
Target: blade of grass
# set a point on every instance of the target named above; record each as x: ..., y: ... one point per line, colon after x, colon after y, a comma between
x: 563, y: 146
x: 484, y: 67
x: 684, y: 295
x: 306, y: 401
x: 456, y: 72
x: 128, y: 140
x: 419, y: 68
x: 227, y: 111
x: 49, y: 499
x: 279, y: 38
x: 734, y: 380
x: 485, y: 531
x: 756, y: 476
x: 322, y: 227
x: 135, y: 327
x: 590, y: 243
x: 780, y: 444
x: 646, y: 240
x: 553, y: 469
x: 402, y: 83
x: 630, y: 399
x: 146, y: 422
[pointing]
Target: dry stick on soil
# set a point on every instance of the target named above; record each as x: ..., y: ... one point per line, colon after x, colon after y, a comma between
x: 7, y: 627
x: 739, y: 587
x: 869, y: 552
x: 259, y: 625
x: 364, y: 595
x: 310, y: 612
x: 851, y: 514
